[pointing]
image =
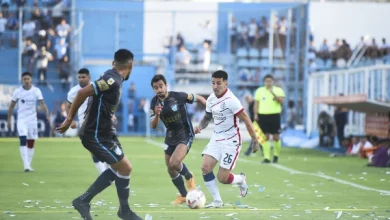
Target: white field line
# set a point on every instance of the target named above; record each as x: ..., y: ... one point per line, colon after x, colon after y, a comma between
x: 292, y: 171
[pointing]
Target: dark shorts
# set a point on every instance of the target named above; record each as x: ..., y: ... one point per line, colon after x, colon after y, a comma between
x: 269, y: 124
x: 106, y: 149
x: 186, y: 141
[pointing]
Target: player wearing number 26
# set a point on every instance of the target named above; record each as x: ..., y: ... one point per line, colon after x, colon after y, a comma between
x: 225, y: 144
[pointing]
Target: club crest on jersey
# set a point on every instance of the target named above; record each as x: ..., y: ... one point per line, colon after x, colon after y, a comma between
x: 223, y: 105
x: 118, y: 151
x: 174, y: 107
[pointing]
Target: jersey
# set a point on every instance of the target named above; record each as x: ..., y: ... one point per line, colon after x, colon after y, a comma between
x: 71, y: 96
x: 27, y: 102
x: 267, y: 103
x: 224, y: 111
x: 102, y: 106
x: 174, y: 115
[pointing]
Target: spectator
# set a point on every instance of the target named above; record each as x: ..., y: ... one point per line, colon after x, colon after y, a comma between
x: 57, y: 13
x: 3, y: 22
x: 242, y: 35
x: 204, y: 55
x: 372, y: 50
x: 252, y: 29
x: 60, y: 50
x: 207, y: 31
x: 326, y: 128
x: 341, y: 119
x: 29, y: 28
x: 183, y: 58
x: 43, y: 39
x: 63, y: 29
x: 324, y: 53
x: 29, y: 52
x: 5, y: 6
x: 282, y: 25
x: 384, y: 49
x: 179, y: 41
x: 43, y: 57
x: 291, y: 115
x: 132, y: 91
x: 64, y: 72
x: 354, y: 148
x: 233, y: 35
x: 12, y: 22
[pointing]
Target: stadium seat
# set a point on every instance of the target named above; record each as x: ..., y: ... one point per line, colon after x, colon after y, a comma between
x: 254, y: 53
x: 254, y: 63
x: 214, y: 58
x: 265, y: 53
x: 243, y: 63
x: 242, y: 52
x: 264, y: 63
x: 278, y: 53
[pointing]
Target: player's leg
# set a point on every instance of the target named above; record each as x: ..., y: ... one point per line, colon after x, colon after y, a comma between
x: 230, y: 153
x: 32, y: 135
x: 22, y: 131
x: 276, y: 137
x: 100, y: 166
x: 178, y: 156
x: 173, y: 167
x: 264, y: 125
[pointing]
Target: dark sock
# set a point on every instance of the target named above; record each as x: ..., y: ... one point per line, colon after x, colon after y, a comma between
x: 179, y: 183
x: 123, y: 189
x: 102, y: 182
x: 185, y: 172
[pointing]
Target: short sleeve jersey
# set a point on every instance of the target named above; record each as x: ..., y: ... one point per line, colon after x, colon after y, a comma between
x: 267, y: 103
x: 174, y: 115
x: 72, y: 95
x: 27, y: 102
x: 101, y: 106
x: 224, y: 111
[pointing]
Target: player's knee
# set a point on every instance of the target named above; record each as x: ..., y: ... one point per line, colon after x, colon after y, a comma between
x: 23, y: 140
x: 125, y: 169
x: 173, y: 165
x: 206, y: 169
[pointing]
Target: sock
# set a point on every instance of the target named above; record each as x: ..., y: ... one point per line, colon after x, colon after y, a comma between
x: 211, y: 184
x: 23, y: 154
x: 185, y: 172
x: 123, y: 188
x: 179, y: 183
x: 102, y: 182
x: 277, y: 147
x: 267, y: 150
x: 30, y: 155
x: 101, y: 167
x: 234, y: 179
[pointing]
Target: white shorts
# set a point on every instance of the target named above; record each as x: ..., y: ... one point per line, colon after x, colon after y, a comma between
x: 226, y: 151
x: 28, y: 128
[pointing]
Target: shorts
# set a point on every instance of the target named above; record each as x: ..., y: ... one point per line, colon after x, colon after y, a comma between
x: 28, y: 128
x: 226, y: 151
x: 269, y: 124
x: 106, y: 149
x: 169, y: 149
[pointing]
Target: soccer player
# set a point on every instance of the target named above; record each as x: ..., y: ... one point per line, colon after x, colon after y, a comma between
x: 268, y: 106
x: 98, y: 134
x: 84, y: 80
x: 171, y: 108
x: 26, y: 97
x: 225, y: 144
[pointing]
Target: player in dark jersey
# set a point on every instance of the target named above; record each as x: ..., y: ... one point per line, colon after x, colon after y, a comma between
x: 98, y: 134
x: 170, y: 108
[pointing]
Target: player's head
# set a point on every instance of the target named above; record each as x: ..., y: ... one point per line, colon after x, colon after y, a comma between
x: 219, y: 80
x: 83, y: 77
x: 268, y: 80
x: 159, y: 85
x: 26, y: 79
x: 123, y: 62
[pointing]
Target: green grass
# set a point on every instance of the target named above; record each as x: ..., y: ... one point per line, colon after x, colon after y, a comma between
x: 64, y: 170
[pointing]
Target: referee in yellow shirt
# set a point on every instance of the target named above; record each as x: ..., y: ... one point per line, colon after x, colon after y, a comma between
x: 267, y: 108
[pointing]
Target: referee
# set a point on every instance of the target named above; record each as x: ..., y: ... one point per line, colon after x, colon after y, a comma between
x: 267, y: 108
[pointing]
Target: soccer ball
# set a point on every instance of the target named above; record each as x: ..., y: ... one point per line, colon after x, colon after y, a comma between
x: 196, y: 199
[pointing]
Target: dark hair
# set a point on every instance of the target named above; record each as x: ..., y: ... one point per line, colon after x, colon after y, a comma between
x: 157, y: 78
x: 122, y: 56
x: 26, y: 74
x: 268, y: 76
x: 84, y: 71
x: 220, y: 74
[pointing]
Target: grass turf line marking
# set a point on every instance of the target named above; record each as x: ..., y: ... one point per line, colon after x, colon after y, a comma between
x: 292, y: 171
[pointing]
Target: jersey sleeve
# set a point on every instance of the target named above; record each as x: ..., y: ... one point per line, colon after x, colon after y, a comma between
x: 151, y: 110
x: 106, y: 83
x: 208, y: 107
x: 279, y: 92
x: 235, y: 106
x: 38, y: 94
x: 186, y: 98
x: 258, y: 94
x: 71, y: 95
x: 15, y: 96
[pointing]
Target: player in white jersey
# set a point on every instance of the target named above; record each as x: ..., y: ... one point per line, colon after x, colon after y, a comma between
x: 26, y: 97
x: 84, y: 79
x: 225, y: 144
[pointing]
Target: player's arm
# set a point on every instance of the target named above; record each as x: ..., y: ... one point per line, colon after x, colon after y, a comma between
x: 45, y: 109
x: 191, y: 98
x: 201, y: 100
x: 243, y: 116
x: 279, y: 96
x: 204, y: 122
x: 10, y: 112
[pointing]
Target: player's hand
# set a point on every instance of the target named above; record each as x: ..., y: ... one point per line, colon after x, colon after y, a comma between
x: 64, y: 126
x: 197, y: 129
x: 9, y: 124
x: 73, y: 125
x: 255, y: 146
x: 158, y: 109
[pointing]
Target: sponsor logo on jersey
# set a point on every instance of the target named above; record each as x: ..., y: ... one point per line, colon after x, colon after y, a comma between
x: 223, y: 105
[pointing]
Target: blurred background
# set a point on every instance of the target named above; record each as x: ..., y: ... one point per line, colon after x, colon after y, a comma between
x: 331, y: 59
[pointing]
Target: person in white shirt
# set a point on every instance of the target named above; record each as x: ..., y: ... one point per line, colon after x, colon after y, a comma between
x: 252, y: 29
x: 63, y: 29
x: 3, y: 23
x: 225, y: 145
x: 26, y: 97
x: 28, y: 28
x: 84, y: 79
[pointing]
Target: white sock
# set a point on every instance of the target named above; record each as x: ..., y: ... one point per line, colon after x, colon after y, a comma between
x: 101, y: 167
x: 30, y: 154
x: 237, y: 179
x: 23, y: 154
x: 213, y: 189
